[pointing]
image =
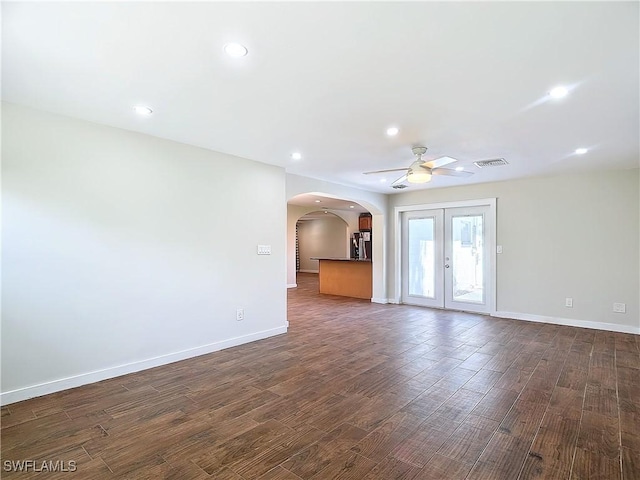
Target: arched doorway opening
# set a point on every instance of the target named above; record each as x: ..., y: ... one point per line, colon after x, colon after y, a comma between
x: 349, y: 210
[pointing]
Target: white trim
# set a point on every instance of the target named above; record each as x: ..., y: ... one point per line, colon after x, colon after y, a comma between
x: 292, y: 285
x: 397, y: 219
x: 383, y: 301
x: 462, y: 203
x: 46, y: 388
x: 308, y: 271
x: 569, y: 322
x: 397, y: 284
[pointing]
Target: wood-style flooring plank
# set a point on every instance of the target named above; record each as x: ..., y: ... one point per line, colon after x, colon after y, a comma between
x: 278, y: 473
x: 347, y: 466
x: 502, y: 458
x: 392, y: 469
x: 469, y: 440
x: 551, y: 454
x: 440, y: 467
x: 319, y: 455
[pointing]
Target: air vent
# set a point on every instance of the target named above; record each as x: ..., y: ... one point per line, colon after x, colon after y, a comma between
x: 399, y: 187
x: 496, y: 162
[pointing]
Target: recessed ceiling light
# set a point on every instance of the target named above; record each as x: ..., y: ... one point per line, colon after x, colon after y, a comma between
x: 459, y: 169
x: 383, y: 180
x: 235, y: 50
x: 392, y: 131
x: 142, y: 110
x: 296, y: 156
x: 559, y: 92
x: 318, y: 201
x: 581, y: 151
x: 352, y: 206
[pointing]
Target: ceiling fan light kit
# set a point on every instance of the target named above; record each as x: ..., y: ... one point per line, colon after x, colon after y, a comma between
x: 418, y: 177
x: 418, y: 174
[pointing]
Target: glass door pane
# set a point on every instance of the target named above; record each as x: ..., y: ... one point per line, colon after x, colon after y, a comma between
x: 467, y: 258
x: 422, y: 275
x: 422, y: 272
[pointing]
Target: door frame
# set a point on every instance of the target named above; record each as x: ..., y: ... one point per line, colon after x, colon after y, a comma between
x: 491, y: 240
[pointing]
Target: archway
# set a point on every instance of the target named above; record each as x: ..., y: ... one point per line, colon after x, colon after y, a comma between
x: 301, y: 204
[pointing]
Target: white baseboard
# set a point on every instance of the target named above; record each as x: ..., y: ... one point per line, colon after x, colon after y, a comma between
x: 569, y: 322
x: 53, y: 386
x: 292, y: 285
x: 383, y: 301
x: 308, y: 271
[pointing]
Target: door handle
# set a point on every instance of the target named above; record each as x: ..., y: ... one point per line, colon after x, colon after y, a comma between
x: 446, y: 265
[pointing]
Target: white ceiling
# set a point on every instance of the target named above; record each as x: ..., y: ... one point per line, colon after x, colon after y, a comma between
x: 322, y: 202
x: 468, y: 80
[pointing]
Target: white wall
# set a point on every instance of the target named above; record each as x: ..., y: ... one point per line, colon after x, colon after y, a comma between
x: 122, y: 251
x: 376, y: 203
x: 294, y: 212
x: 321, y: 237
x: 573, y: 236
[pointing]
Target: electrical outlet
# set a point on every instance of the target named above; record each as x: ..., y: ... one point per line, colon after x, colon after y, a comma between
x: 619, y: 308
x: 499, y: 249
x: 568, y: 302
x: 240, y: 314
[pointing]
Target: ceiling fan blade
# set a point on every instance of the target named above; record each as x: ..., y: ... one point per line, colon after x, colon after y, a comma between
x: 400, y: 180
x: 385, y: 171
x: 439, y: 162
x: 450, y: 172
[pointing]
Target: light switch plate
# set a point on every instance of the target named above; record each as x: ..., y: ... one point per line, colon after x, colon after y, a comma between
x: 499, y: 249
x: 264, y: 249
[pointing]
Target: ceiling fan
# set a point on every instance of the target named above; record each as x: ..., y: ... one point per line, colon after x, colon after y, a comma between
x: 420, y: 171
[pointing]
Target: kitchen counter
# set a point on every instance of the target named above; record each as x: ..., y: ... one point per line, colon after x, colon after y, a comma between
x: 347, y: 277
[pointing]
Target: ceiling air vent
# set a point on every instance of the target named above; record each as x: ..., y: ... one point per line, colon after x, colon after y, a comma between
x: 495, y: 162
x: 399, y: 187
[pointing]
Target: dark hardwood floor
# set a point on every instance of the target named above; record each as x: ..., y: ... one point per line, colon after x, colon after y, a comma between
x: 356, y: 391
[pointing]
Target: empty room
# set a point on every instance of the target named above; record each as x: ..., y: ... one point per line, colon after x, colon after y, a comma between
x: 320, y: 240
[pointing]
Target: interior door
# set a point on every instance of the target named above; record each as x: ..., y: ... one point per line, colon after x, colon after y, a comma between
x: 422, y: 257
x: 446, y: 258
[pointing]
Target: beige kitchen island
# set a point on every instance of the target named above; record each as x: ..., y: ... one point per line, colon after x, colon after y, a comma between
x: 345, y: 277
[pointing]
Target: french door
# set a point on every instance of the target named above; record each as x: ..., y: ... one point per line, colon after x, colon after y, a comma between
x: 446, y: 258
